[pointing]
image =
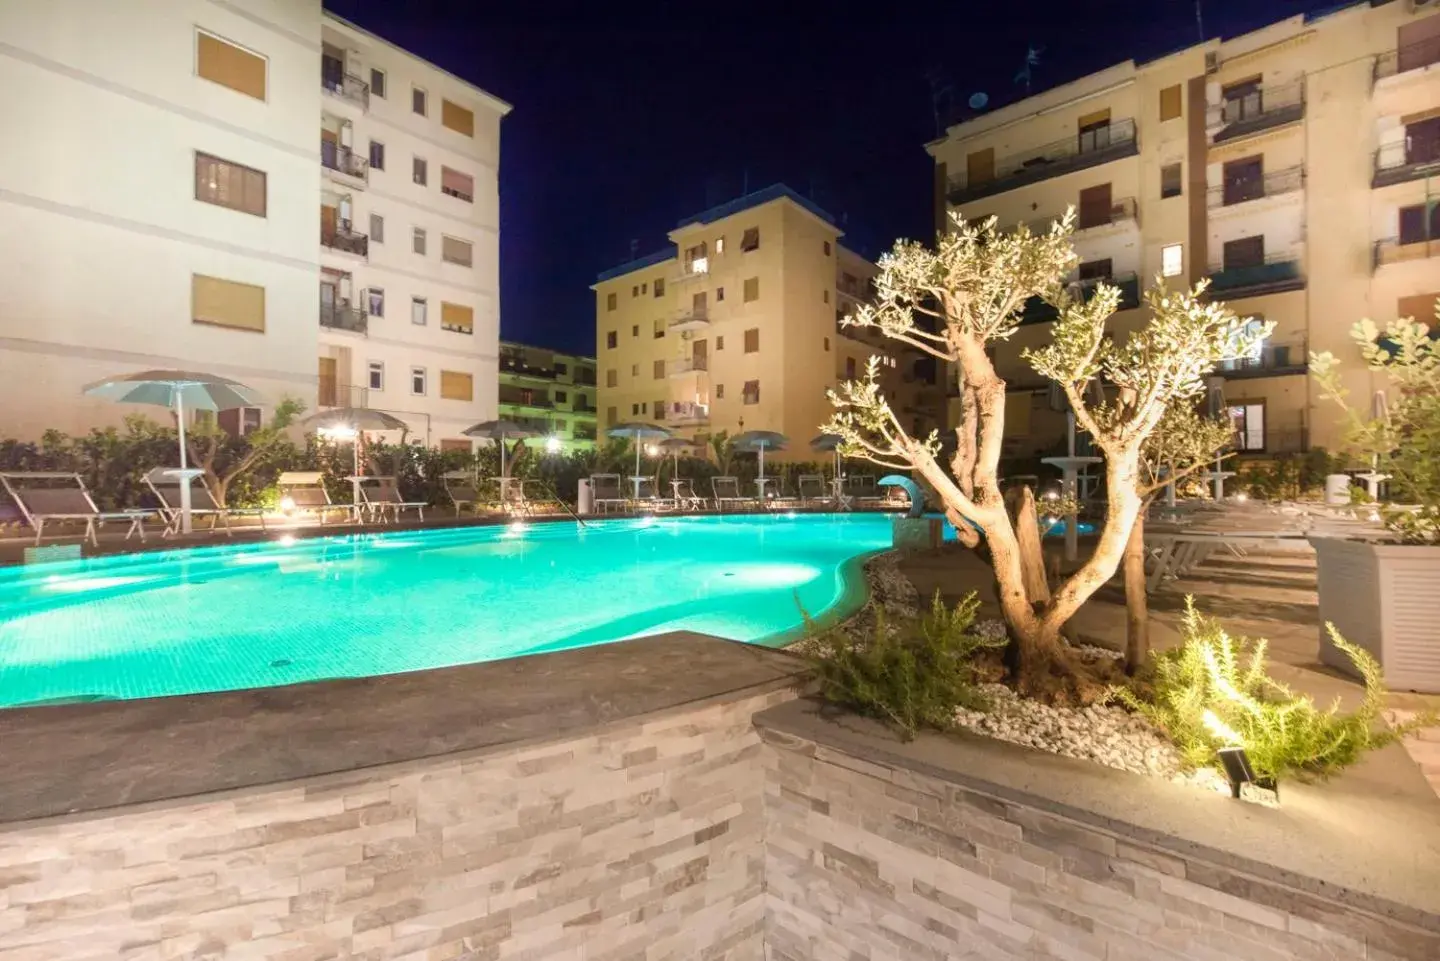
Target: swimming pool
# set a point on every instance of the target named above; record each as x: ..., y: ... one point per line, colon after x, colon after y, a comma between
x: 227, y: 617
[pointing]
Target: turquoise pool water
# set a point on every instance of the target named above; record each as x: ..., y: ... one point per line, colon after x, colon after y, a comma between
x: 228, y: 617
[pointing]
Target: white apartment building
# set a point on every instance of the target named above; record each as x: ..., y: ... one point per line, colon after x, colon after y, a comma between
x: 262, y: 191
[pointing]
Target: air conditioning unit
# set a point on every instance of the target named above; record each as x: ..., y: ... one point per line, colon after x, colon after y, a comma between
x: 1212, y: 61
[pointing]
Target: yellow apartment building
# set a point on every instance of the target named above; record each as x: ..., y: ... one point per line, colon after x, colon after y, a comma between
x: 735, y: 326
x: 1297, y: 167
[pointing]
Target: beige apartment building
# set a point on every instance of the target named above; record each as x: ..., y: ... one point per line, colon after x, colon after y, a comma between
x: 735, y: 327
x: 261, y: 191
x: 1297, y: 167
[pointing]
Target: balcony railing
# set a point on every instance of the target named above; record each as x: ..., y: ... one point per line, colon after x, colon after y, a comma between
x: 1089, y: 149
x: 1398, y: 162
x: 520, y: 399
x: 1272, y: 184
x: 1262, y: 108
x: 344, y: 316
x: 1038, y: 311
x: 343, y: 160
x: 1393, y: 251
x: 679, y: 368
x: 1120, y: 211
x: 585, y: 433
x: 696, y: 269
x: 1273, y: 359
x: 1277, y: 274
x: 345, y: 238
x: 688, y: 414
x: 344, y: 85
x: 511, y: 365
x: 1416, y: 56
x: 690, y: 318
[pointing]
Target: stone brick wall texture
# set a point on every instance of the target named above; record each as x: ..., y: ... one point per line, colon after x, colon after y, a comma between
x: 865, y: 862
x: 641, y: 841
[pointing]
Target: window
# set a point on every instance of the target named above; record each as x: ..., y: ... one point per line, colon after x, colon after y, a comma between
x: 659, y: 370
x: 377, y: 82
x: 659, y: 328
x: 455, y: 184
x: 827, y: 248
x: 457, y: 118
x: 635, y: 291
x: 1243, y: 180
x: 375, y: 302
x: 1422, y: 137
x: 237, y: 422
x: 457, y: 385
x: 229, y: 65
x: 1095, y: 206
x: 720, y: 343
x: 1248, y: 420
x: 377, y: 375
x: 719, y: 246
x: 1094, y: 131
x: 659, y: 286
x: 751, y: 393
x: 418, y: 241
x: 457, y: 318
x: 420, y: 171
x: 226, y: 303
x: 227, y: 184
x: 750, y: 240
x: 1172, y: 260
x: 610, y: 305
x: 849, y: 368
x: 752, y: 289
x: 1245, y: 252
x: 611, y: 338
x: 1419, y: 223
x: 419, y: 102
x: 561, y: 397
x: 644, y: 288
x: 1095, y: 270
x: 453, y: 250
x: 719, y: 294
x: 417, y: 381
x: 1419, y: 307
x: 825, y: 295
x: 377, y: 229
x: 980, y: 167
x: 719, y: 391
x: 659, y: 408
x: 634, y: 370
x: 418, y: 309
x: 1244, y: 100
x: 612, y: 379
x: 377, y: 155
x: 634, y: 409
x: 1170, y: 183
x: 827, y: 345
x: 634, y: 330
x: 1170, y: 102
x: 611, y: 416
x: 752, y: 340
x: 1255, y: 356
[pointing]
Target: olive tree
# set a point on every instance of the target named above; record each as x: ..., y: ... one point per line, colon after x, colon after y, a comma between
x: 954, y: 302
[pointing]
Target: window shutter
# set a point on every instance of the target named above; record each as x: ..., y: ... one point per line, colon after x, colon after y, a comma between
x: 225, y: 303
x: 457, y: 317
x: 457, y: 118
x: 455, y: 385
x: 229, y: 65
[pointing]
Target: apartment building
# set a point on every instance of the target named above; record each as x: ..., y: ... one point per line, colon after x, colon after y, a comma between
x: 549, y: 392
x: 1297, y: 167
x: 264, y: 192
x: 734, y: 326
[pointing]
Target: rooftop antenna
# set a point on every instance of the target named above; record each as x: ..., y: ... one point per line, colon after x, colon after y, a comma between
x: 1199, y: 22
x: 1027, y: 71
x: 634, y: 248
x: 941, y: 93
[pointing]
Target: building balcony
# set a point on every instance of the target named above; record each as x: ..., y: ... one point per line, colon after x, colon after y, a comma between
x: 1398, y: 162
x: 690, y: 365
x: 1038, y: 311
x: 331, y: 393
x: 1090, y: 149
x: 1274, y: 359
x: 1123, y: 212
x: 1232, y: 193
x: 583, y: 433
x: 1261, y: 109
x: 690, y: 318
x: 1399, y: 250
x: 518, y: 368
x: 525, y: 399
x: 688, y: 415
x: 697, y: 269
x: 342, y: 85
x: 346, y: 239
x: 1275, y: 275
x: 344, y: 165
x: 1424, y: 55
x: 344, y: 316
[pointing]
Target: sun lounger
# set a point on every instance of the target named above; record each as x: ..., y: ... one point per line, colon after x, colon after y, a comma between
x: 727, y: 492
x: 647, y: 499
x: 46, y: 497
x: 685, y: 497
x: 460, y: 487
x: 605, y: 493
x: 382, y: 497
x: 166, y: 488
x: 303, y: 492
x: 814, y: 492
x: 1175, y: 556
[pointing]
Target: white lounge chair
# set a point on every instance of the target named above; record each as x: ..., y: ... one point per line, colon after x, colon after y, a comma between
x: 44, y: 497
x: 166, y: 488
x: 685, y: 497
x: 647, y: 498
x: 382, y: 496
x: 605, y: 493
x: 303, y: 491
x: 727, y: 492
x: 460, y: 487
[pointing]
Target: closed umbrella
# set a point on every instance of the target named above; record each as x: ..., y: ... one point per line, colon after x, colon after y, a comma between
x: 498, y: 430
x: 177, y: 389
x: 636, y: 431
x: 675, y: 445
x: 352, y: 422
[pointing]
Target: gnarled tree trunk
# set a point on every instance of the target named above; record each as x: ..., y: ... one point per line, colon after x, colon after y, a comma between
x: 1137, y: 610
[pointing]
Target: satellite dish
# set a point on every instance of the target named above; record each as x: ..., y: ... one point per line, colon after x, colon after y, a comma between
x: 979, y: 100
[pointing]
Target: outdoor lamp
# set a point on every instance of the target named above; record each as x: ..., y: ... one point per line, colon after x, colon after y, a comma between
x: 651, y: 449
x: 287, y: 503
x: 552, y: 445
x: 1237, y: 768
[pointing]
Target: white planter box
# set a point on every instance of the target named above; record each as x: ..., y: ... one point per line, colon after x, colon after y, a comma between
x: 1384, y: 598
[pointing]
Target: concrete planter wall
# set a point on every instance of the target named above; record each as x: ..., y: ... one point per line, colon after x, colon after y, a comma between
x: 1383, y: 598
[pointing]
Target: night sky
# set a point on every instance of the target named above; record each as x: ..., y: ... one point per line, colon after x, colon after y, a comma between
x: 627, y: 120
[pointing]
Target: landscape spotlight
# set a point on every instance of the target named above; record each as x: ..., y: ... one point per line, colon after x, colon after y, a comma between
x: 1237, y: 768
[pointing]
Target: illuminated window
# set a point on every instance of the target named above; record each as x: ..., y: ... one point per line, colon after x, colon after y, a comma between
x: 1172, y: 260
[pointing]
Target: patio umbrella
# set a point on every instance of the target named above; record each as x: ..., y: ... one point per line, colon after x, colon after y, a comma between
x: 354, y: 421
x: 637, y: 431
x: 675, y: 445
x: 498, y: 430
x: 831, y: 443
x: 760, y: 440
x: 176, y: 389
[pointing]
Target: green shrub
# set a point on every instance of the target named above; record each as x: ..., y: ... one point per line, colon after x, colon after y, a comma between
x: 1214, y: 691
x: 912, y: 673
